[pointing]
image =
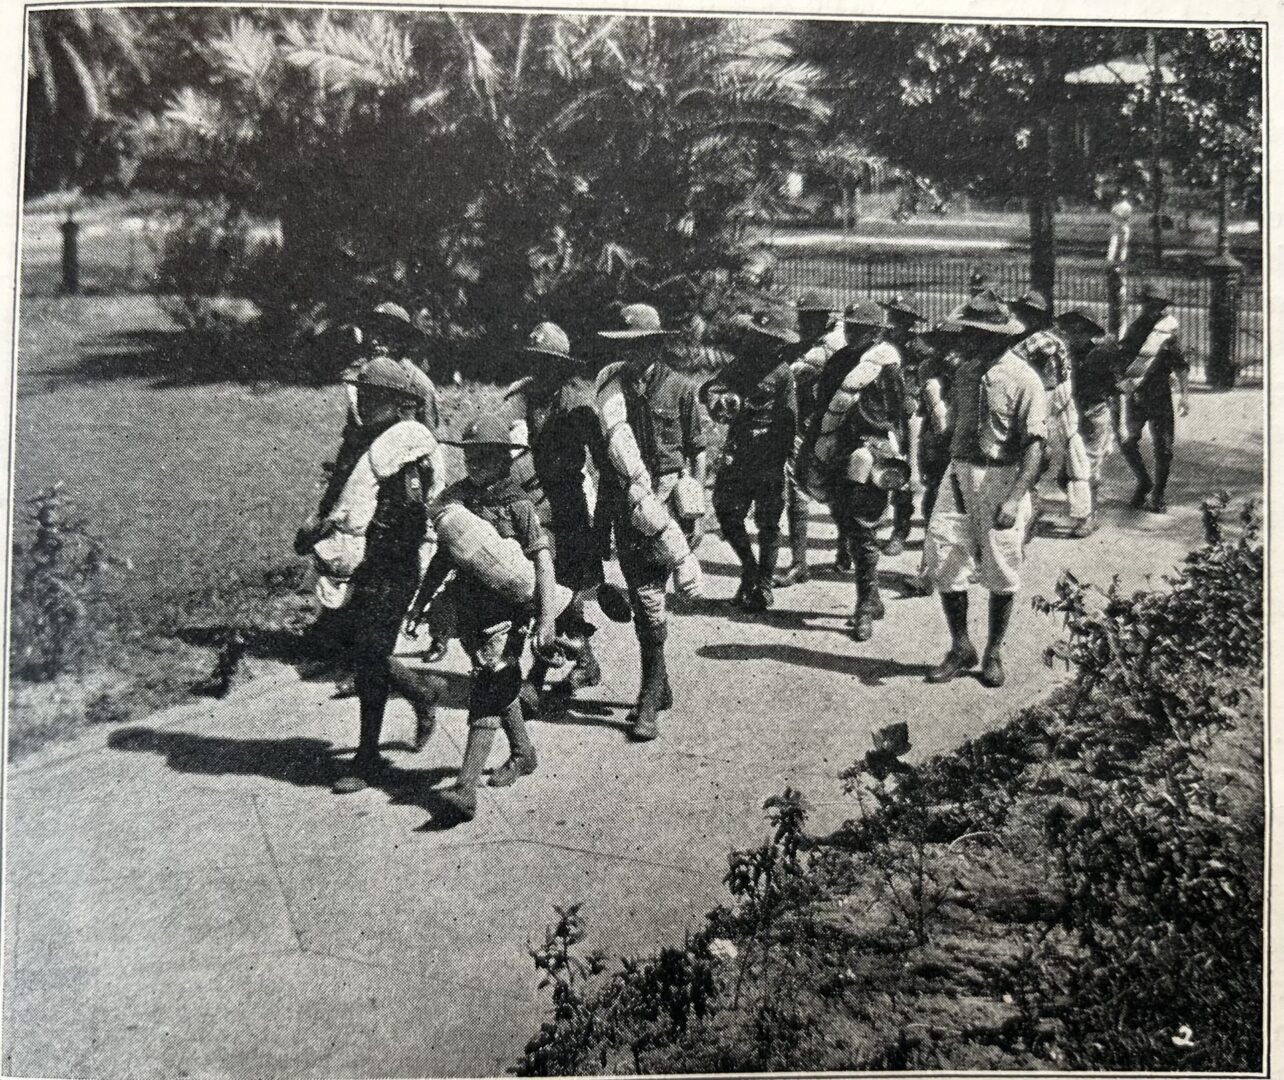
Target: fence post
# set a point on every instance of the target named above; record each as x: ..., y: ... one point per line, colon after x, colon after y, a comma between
x: 1116, y: 289
x: 1225, y: 274
x: 70, y: 255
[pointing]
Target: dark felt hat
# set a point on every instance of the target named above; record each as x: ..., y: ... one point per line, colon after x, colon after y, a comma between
x: 864, y: 313
x: 548, y: 339
x: 813, y: 301
x: 985, y: 312
x: 488, y: 429
x: 1077, y: 321
x: 900, y: 307
x: 780, y: 325
x: 1154, y: 294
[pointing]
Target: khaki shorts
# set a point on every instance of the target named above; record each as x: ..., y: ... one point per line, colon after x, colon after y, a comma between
x: 962, y: 542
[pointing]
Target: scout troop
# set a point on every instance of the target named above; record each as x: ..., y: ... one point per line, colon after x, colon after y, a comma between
x: 986, y: 403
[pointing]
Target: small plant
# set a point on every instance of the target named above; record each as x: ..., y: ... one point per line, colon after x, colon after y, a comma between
x: 62, y: 612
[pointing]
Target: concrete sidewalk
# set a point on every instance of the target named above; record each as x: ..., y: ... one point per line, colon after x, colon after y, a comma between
x: 186, y: 897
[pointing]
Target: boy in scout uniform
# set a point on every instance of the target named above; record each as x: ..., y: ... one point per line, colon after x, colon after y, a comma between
x: 1152, y: 355
x: 816, y: 345
x: 668, y: 423
x: 565, y: 433
x: 755, y: 397
x: 902, y: 318
x: 979, y: 523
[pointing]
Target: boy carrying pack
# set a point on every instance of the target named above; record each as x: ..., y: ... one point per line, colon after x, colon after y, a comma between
x: 482, y: 521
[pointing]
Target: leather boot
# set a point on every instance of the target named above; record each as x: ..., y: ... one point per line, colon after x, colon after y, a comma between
x: 799, y: 519
x: 642, y: 719
x: 666, y: 691
x: 586, y: 671
x: 962, y: 655
x: 521, y: 753
x: 761, y: 599
x: 461, y: 799
x: 1132, y: 454
x: 869, y: 605
x: 1163, y: 464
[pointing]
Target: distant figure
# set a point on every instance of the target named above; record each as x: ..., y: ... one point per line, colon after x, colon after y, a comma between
x: 1153, y: 354
x: 1120, y: 230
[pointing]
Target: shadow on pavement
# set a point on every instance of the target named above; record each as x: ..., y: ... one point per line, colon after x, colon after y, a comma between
x: 301, y: 761
x: 871, y: 671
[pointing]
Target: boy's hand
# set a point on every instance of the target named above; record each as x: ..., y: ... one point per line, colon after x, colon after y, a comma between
x: 1005, y: 517
x: 545, y: 635
x: 1183, y: 408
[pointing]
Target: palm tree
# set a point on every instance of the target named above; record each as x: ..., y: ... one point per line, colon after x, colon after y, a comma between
x: 75, y: 56
x: 489, y: 164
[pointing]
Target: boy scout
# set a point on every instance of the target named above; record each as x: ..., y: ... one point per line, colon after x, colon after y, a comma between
x: 854, y: 449
x: 384, y: 584
x: 565, y: 434
x: 492, y: 627
x: 755, y: 396
x: 1094, y: 359
x: 979, y: 523
x: 816, y: 346
x: 900, y: 331
x: 668, y: 423
x: 1153, y: 354
x: 862, y: 325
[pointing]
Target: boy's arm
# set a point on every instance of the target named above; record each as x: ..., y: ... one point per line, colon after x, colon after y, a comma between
x: 545, y: 589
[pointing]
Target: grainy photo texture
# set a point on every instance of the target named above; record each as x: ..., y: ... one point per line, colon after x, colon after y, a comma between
x: 607, y: 543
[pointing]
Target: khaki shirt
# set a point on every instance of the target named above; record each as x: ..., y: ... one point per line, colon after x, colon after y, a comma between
x: 997, y: 413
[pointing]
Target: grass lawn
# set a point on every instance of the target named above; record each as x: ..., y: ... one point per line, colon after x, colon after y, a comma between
x: 200, y: 487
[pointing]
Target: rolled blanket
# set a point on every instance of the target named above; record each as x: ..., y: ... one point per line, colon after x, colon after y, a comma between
x: 1137, y: 371
x: 648, y: 514
x: 498, y: 562
x: 825, y: 452
x: 342, y: 544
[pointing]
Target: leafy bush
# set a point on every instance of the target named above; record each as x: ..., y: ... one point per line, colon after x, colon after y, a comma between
x: 61, y: 613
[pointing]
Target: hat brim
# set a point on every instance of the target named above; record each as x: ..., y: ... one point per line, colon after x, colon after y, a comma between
x: 527, y: 349
x: 463, y: 445
x: 784, y: 337
x: 1154, y: 298
x: 1008, y: 329
x: 633, y: 335
x: 893, y: 309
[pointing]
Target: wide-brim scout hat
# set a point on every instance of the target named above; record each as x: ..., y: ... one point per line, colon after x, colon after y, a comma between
x: 1153, y: 294
x: 392, y: 319
x: 900, y: 309
x: 387, y: 373
x: 487, y: 429
x: 812, y: 302
x: 548, y: 340
x: 1033, y: 301
x: 1079, y: 322
x: 636, y: 321
x: 779, y: 326
x: 864, y: 313
x: 986, y: 312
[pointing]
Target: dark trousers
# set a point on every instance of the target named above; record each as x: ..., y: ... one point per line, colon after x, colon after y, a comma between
x: 858, y: 508
x: 382, y: 591
x: 1159, y: 417
x: 739, y: 489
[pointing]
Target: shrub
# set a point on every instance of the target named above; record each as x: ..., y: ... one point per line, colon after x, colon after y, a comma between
x: 61, y: 613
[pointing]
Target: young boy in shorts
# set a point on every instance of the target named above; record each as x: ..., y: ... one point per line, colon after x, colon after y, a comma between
x: 492, y: 627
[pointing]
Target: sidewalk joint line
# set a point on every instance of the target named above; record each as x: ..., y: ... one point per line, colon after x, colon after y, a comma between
x: 280, y: 879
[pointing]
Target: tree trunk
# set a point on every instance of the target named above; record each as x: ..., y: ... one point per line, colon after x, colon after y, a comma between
x: 1042, y: 205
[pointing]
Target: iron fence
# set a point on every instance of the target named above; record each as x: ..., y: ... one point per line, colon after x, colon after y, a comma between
x: 940, y: 283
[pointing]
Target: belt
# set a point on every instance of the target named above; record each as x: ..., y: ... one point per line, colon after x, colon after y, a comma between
x: 985, y: 463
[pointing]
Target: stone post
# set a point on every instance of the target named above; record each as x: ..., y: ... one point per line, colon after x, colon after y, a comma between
x: 1225, y: 275
x: 70, y: 255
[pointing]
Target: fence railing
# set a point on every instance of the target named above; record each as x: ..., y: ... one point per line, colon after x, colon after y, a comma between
x: 939, y: 283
